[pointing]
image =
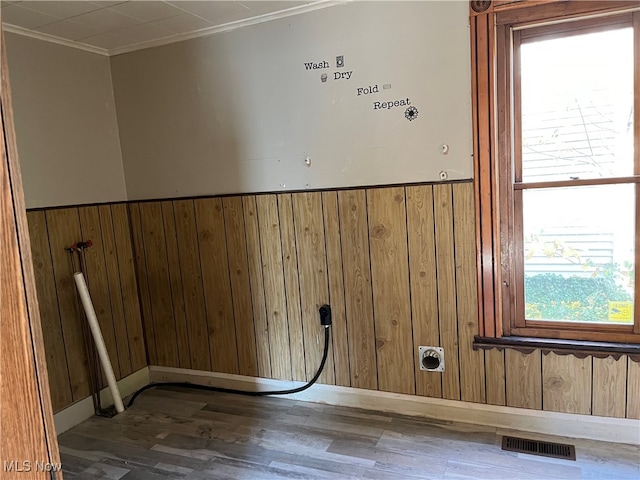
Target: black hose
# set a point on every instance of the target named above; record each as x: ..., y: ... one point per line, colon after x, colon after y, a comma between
x: 244, y: 392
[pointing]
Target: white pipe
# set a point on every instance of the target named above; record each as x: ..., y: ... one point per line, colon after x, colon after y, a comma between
x: 81, y: 285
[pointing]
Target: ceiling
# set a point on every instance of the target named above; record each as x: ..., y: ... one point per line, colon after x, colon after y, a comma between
x: 115, y: 27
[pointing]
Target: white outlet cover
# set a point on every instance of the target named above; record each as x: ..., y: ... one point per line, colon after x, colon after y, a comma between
x: 421, y: 352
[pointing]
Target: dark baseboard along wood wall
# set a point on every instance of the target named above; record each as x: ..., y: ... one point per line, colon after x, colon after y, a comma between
x: 233, y: 284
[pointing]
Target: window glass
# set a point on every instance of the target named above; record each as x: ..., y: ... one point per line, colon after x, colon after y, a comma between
x: 579, y: 253
x: 577, y: 106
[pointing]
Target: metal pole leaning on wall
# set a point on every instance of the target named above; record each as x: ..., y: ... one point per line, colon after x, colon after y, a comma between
x: 81, y: 285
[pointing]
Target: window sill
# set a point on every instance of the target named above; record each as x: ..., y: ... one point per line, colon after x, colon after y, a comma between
x: 579, y: 348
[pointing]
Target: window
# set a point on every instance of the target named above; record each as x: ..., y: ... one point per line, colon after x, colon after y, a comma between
x: 565, y: 162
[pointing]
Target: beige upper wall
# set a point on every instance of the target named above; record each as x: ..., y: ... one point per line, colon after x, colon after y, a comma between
x: 65, y: 123
x: 239, y: 112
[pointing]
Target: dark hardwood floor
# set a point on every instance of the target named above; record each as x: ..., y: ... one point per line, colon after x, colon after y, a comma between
x: 192, y: 435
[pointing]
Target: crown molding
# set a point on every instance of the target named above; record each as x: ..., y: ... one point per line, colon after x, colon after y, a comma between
x: 53, y: 39
x: 205, y: 32
x: 226, y: 27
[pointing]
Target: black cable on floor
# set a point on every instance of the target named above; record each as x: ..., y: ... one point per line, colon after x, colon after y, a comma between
x: 325, y: 320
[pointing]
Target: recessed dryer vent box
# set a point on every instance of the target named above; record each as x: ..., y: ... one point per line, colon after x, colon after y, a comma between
x: 431, y: 359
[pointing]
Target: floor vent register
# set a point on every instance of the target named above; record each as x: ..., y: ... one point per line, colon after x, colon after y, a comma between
x: 536, y: 447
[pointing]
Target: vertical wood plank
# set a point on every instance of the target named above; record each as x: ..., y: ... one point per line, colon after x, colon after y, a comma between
x: 143, y: 283
x: 314, y: 291
x: 472, y: 381
x: 354, y: 230
x: 240, y: 285
x: 633, y: 388
x: 292, y: 286
x: 274, y: 289
x: 115, y: 292
x: 257, y: 285
x: 609, y: 386
x: 49, y: 314
x: 424, y: 291
x: 336, y: 288
x: 98, y: 283
x: 447, y: 308
x: 155, y: 251
x: 191, y: 273
x: 390, y: 282
x: 566, y: 383
x: 523, y: 374
x: 128, y: 286
x: 64, y: 230
x: 495, y: 376
x: 175, y: 280
x: 217, y: 285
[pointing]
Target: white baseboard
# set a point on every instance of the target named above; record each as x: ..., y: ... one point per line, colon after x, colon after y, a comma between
x: 83, y: 409
x: 618, y: 430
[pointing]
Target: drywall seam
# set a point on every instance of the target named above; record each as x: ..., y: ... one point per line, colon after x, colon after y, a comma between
x: 115, y: 112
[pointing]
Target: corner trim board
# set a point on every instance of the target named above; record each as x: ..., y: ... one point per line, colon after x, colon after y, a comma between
x: 618, y: 430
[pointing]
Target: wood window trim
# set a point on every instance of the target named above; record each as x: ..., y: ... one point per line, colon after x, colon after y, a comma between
x: 581, y: 349
x: 527, y: 12
x: 492, y: 90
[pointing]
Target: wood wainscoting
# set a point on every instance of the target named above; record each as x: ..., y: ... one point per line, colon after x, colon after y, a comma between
x: 112, y: 284
x: 233, y: 284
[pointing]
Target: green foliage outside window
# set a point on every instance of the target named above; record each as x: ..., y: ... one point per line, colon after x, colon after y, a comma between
x: 582, y: 298
x: 550, y: 296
